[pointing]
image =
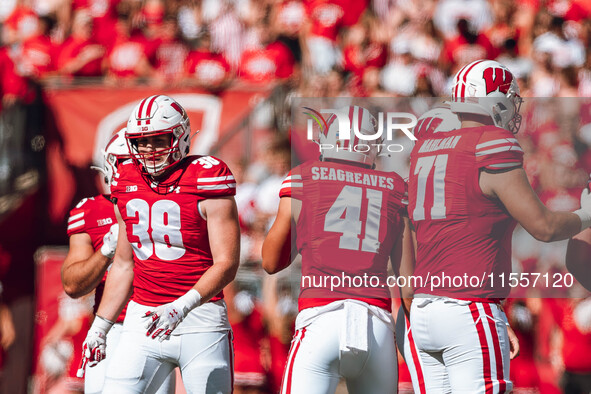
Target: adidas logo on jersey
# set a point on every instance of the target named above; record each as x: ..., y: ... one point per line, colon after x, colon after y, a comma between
x: 129, y: 189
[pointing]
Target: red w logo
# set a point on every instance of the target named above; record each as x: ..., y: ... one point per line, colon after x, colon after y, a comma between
x: 497, y: 79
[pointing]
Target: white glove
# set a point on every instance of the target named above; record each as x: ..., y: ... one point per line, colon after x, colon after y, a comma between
x: 95, y: 344
x: 585, y: 212
x: 165, y: 318
x: 110, y: 241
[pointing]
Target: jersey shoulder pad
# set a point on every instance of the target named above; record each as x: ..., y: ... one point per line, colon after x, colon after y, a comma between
x: 213, y: 177
x: 293, y: 184
x: 79, y: 216
x: 497, y: 149
x: 123, y: 172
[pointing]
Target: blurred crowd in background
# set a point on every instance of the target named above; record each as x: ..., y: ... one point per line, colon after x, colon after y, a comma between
x: 332, y: 48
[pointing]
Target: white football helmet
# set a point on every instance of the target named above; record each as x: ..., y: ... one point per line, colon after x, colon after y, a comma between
x: 115, y: 152
x: 154, y: 116
x: 486, y: 87
x: 334, y: 146
x: 437, y: 120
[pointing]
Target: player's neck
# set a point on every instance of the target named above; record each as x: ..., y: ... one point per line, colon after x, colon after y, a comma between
x: 473, y: 120
x: 351, y: 163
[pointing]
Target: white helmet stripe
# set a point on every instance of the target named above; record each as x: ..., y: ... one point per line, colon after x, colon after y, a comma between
x: 149, y: 109
x: 464, y: 77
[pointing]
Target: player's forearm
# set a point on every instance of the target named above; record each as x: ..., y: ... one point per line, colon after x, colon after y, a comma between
x: 118, y: 289
x: 276, y: 253
x: 81, y: 277
x: 279, y: 246
x: 556, y: 226
x: 216, y: 278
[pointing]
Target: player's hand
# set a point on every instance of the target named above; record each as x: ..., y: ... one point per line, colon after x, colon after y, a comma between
x: 165, y: 318
x: 95, y: 344
x: 513, y: 343
x: 110, y: 241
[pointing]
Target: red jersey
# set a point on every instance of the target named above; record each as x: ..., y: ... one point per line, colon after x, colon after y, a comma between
x: 576, y: 346
x: 167, y: 231
x: 71, y: 48
x: 94, y: 216
x: 249, y: 335
x: 266, y: 65
x: 104, y: 16
x: 124, y: 57
x: 207, y: 67
x: 349, y: 222
x: 459, y: 229
x: 37, y: 55
x: 326, y: 18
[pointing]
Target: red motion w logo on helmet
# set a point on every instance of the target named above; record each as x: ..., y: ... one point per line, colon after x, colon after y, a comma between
x: 500, y: 80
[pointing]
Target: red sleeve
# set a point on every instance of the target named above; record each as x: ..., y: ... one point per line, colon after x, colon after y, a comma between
x: 498, y: 149
x: 214, y: 178
x: 291, y: 185
x: 191, y: 62
x: 76, y: 221
x: 283, y: 59
x: 11, y: 82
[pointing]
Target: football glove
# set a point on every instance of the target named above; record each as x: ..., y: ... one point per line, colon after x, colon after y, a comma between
x: 95, y: 344
x: 165, y: 318
x: 110, y: 241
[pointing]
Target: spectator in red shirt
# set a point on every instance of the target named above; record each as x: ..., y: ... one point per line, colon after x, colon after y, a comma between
x: 104, y: 16
x: 80, y: 54
x: 250, y: 341
x: 13, y: 87
x: 38, y: 51
x: 321, y: 33
x: 170, y: 54
x: 280, y: 310
x: 274, y: 61
x: 573, y: 317
x: 127, y: 58
x: 20, y: 25
x: 206, y: 68
x: 466, y: 47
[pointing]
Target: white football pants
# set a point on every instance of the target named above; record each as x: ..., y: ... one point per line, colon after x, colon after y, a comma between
x: 320, y: 354
x: 463, y: 346
x: 140, y: 364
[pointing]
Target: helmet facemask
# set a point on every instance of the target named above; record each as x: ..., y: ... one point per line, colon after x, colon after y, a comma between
x: 158, y: 160
x: 165, y: 123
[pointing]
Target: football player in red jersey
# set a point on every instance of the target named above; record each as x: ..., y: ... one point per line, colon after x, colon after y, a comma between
x: 436, y: 121
x: 467, y: 190
x: 179, y: 246
x: 348, y: 220
x: 93, y: 230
